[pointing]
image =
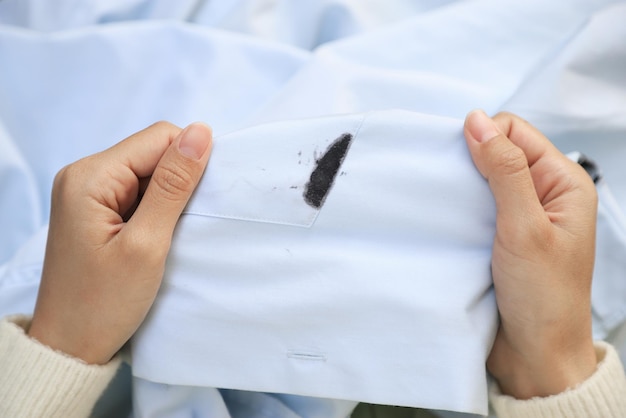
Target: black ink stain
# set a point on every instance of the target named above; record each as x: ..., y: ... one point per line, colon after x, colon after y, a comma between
x: 325, y: 171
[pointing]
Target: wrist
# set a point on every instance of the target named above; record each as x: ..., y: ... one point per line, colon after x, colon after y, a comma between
x: 543, y: 372
x: 66, y: 341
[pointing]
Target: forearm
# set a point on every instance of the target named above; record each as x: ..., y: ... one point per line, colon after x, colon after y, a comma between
x: 603, y: 394
x: 36, y: 381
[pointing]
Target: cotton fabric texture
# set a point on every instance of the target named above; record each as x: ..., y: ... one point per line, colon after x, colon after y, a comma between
x: 384, y: 286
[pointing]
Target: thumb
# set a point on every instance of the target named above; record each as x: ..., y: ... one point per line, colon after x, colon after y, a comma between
x: 504, y: 165
x: 173, y: 181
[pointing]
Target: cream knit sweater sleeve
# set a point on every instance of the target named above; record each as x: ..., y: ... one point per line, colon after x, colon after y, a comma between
x: 36, y: 381
x: 603, y: 395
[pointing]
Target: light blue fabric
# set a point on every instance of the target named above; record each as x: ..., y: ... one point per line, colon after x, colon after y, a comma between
x: 76, y: 77
x: 347, y: 307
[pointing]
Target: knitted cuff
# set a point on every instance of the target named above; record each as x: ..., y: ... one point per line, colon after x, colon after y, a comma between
x: 36, y: 381
x: 601, y: 395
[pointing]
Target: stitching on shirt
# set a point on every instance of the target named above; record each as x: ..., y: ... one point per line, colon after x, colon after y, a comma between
x: 251, y: 219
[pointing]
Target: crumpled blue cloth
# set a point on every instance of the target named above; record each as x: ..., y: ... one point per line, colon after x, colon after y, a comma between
x: 79, y: 76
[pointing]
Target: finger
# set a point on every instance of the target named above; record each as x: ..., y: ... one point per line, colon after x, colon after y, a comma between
x: 552, y: 172
x: 142, y: 151
x: 504, y: 165
x: 172, y: 183
x: 115, y: 174
x: 128, y: 210
x: 534, y: 144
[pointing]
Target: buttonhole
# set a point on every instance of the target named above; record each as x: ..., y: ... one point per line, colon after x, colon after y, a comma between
x: 306, y: 355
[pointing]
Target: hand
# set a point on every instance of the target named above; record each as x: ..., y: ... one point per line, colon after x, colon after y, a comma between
x: 111, y: 224
x: 543, y: 257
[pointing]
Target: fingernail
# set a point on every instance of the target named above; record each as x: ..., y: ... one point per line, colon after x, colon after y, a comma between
x: 481, y: 127
x: 194, y: 140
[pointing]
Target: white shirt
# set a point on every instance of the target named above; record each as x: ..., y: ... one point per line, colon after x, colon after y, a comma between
x: 314, y: 72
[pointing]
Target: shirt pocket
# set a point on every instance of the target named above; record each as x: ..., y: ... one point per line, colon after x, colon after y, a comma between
x: 275, y: 173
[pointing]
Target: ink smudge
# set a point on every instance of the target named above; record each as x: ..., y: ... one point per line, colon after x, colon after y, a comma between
x: 325, y: 171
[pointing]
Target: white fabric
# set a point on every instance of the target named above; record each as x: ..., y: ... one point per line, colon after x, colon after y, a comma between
x: 350, y: 304
x: 275, y: 78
